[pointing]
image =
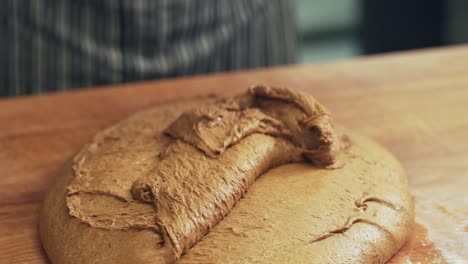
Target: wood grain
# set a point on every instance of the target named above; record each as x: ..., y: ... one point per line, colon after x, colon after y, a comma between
x: 414, y: 103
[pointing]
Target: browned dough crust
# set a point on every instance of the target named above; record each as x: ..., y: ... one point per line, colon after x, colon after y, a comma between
x: 292, y: 214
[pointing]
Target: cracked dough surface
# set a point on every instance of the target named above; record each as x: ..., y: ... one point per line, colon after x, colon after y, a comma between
x: 295, y: 213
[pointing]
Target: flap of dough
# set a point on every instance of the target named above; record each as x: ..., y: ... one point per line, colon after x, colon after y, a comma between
x: 219, y: 150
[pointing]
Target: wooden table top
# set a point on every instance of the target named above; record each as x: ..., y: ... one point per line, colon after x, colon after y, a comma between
x: 414, y: 103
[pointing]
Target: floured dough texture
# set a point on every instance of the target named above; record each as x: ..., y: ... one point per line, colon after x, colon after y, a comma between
x: 135, y: 194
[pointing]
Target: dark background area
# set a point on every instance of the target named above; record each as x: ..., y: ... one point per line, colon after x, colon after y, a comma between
x: 335, y: 29
x: 327, y: 30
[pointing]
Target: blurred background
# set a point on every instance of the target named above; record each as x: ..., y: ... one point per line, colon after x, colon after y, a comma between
x: 304, y: 31
x: 335, y: 29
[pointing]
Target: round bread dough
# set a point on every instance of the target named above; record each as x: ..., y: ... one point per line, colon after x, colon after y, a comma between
x: 360, y: 212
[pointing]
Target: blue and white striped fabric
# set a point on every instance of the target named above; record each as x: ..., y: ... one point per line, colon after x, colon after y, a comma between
x: 49, y: 45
